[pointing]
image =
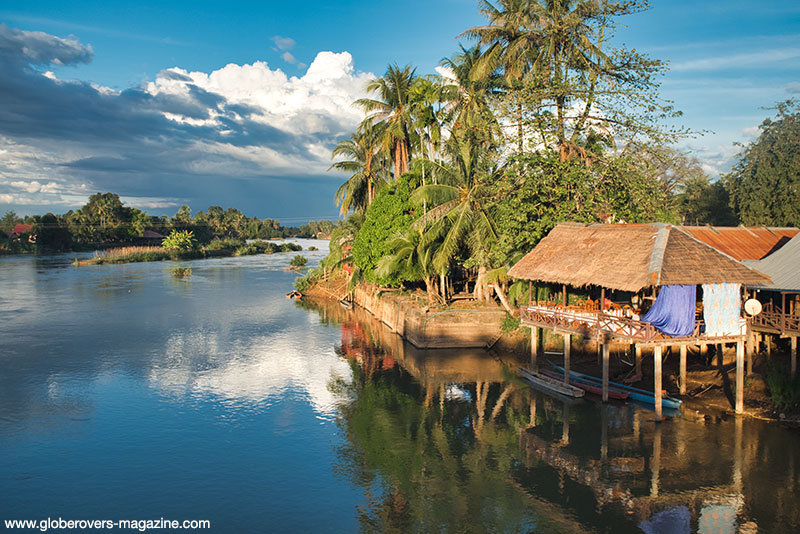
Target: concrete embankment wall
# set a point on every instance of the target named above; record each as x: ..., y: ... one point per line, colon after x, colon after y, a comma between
x: 448, y: 328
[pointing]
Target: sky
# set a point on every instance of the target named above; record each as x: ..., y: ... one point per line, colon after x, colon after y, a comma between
x: 239, y: 104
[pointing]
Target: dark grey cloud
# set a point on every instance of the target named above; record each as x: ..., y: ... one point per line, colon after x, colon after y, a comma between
x: 38, y: 48
x: 171, y: 139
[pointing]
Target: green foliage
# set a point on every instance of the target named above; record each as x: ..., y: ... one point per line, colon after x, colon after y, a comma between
x: 390, y: 214
x: 290, y: 247
x: 305, y: 282
x: 704, y: 202
x: 51, y: 233
x: 9, y: 221
x: 181, y: 271
x: 180, y: 241
x: 298, y: 261
x: 509, y: 323
x: 764, y: 185
x: 534, y: 194
x: 783, y: 389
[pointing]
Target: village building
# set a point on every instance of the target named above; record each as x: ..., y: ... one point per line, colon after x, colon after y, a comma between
x: 694, y: 292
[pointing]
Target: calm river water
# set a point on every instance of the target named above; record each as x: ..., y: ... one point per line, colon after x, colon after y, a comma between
x: 128, y: 394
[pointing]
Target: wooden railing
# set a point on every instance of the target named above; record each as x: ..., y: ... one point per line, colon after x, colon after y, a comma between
x: 772, y: 318
x: 595, y: 324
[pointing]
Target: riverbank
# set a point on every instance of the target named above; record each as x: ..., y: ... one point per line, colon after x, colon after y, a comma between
x: 469, y: 324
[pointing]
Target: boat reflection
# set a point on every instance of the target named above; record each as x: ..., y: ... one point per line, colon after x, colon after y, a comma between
x: 452, y: 441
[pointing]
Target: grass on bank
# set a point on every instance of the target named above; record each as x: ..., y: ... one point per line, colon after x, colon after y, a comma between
x: 784, y: 390
x: 216, y: 248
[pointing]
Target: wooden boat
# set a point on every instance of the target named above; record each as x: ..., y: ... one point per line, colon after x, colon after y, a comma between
x: 550, y: 384
x: 346, y: 304
x: 294, y: 295
x: 640, y: 395
x: 588, y: 387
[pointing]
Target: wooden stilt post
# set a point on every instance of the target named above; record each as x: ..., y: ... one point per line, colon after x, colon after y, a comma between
x: 657, y: 380
x: 606, y: 355
x: 739, y: 376
x: 564, y: 295
x: 535, y: 349
x: 683, y: 370
x: 793, y: 347
x: 655, y: 463
x: 768, y: 343
x: 530, y: 292
x: 638, y: 359
x: 749, y: 349
x: 567, y: 349
x: 604, y: 433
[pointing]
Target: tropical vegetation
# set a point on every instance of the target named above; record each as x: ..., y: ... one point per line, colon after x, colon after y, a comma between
x: 540, y: 118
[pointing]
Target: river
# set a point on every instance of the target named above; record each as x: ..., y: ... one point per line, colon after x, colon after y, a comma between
x: 126, y: 393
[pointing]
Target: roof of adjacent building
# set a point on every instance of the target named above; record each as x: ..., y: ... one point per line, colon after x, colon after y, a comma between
x: 782, y: 266
x: 629, y: 257
x: 20, y: 228
x: 741, y: 242
x: 152, y: 234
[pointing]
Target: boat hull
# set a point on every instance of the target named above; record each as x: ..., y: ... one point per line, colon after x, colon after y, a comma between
x: 551, y: 384
x: 590, y: 388
x: 635, y: 393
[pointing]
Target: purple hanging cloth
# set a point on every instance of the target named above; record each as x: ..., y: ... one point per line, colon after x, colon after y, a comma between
x: 673, y: 311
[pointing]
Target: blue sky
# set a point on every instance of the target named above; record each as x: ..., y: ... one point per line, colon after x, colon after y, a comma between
x: 257, y: 92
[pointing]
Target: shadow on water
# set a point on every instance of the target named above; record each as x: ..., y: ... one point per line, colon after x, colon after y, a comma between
x: 449, y: 440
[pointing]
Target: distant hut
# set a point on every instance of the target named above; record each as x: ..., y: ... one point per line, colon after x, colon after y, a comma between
x: 641, y: 260
x: 780, y: 298
x: 150, y: 238
x: 20, y: 229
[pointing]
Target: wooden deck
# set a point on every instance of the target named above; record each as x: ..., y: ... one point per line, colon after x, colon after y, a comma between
x: 610, y: 326
x: 773, y: 320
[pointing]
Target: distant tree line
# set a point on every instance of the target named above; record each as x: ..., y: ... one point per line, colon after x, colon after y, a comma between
x: 106, y: 220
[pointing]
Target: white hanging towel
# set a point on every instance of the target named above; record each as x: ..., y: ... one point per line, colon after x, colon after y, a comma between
x: 722, y: 309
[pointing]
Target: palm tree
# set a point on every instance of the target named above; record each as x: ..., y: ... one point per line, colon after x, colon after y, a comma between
x: 459, y: 218
x: 392, y: 109
x: 554, y: 48
x: 467, y: 95
x: 512, y: 46
x: 367, y: 164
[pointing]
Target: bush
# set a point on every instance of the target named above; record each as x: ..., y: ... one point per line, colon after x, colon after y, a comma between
x: 180, y: 241
x: 291, y: 247
x: 181, y: 272
x: 783, y: 389
x: 509, y: 324
x: 298, y: 261
x: 304, y: 283
x: 390, y: 214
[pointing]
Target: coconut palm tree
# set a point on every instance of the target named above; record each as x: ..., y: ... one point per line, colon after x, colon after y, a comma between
x: 467, y: 95
x: 392, y: 109
x: 459, y: 217
x: 512, y: 45
x: 368, y: 165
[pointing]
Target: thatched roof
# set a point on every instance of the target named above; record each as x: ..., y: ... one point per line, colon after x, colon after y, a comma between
x: 629, y: 257
x: 782, y: 266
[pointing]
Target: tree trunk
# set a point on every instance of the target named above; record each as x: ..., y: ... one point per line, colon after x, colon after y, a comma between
x: 430, y: 289
x: 503, y: 300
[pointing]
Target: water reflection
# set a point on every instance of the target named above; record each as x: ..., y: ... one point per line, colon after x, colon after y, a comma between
x: 450, y: 441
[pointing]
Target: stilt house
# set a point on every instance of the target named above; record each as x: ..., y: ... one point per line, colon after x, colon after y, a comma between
x: 637, y: 262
